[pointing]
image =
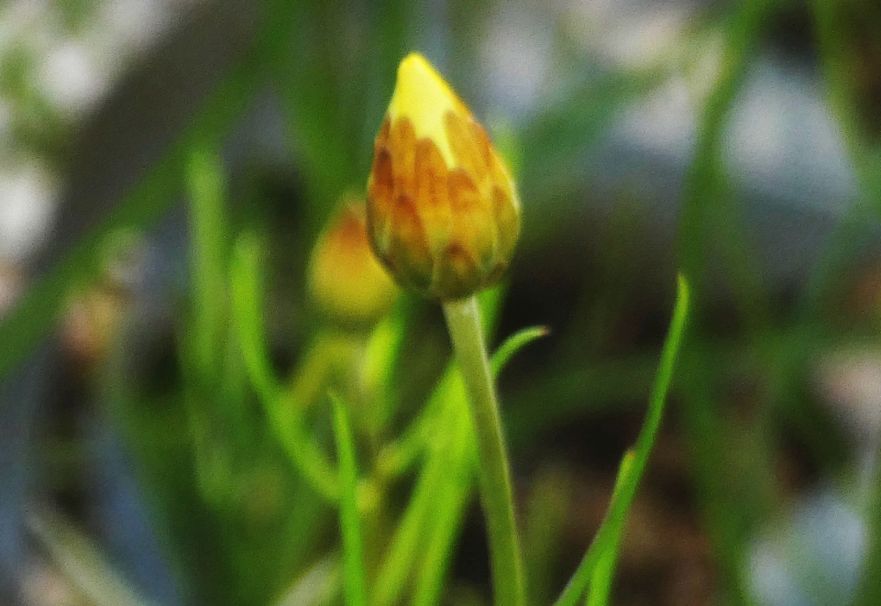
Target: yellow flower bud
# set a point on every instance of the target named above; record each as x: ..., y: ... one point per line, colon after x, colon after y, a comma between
x: 443, y: 213
x: 346, y: 281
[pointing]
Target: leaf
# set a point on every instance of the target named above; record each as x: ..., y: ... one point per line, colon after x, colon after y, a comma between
x: 398, y: 456
x: 284, y: 418
x: 350, y: 524
x: 601, y: 581
x: 604, y: 547
x: 205, y: 185
x: 409, y: 538
x: 513, y: 344
x: 246, y: 282
x: 448, y: 509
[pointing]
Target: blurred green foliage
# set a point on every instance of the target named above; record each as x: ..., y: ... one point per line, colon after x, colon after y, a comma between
x: 235, y: 456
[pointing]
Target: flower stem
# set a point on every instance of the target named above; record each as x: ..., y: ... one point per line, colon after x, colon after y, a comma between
x: 495, y: 478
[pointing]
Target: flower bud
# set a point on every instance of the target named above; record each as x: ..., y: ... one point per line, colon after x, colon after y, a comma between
x: 346, y: 281
x: 443, y: 213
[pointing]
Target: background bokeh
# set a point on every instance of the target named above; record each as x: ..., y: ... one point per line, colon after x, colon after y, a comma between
x: 736, y: 142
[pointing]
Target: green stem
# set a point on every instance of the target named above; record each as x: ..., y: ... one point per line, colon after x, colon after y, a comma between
x: 495, y: 478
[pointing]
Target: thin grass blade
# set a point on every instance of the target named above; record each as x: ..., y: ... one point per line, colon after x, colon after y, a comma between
x: 633, y: 465
x: 449, y: 508
x: 354, y: 586
x: 286, y: 422
x: 513, y: 344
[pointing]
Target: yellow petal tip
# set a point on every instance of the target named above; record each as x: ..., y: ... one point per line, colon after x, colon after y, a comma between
x: 424, y: 97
